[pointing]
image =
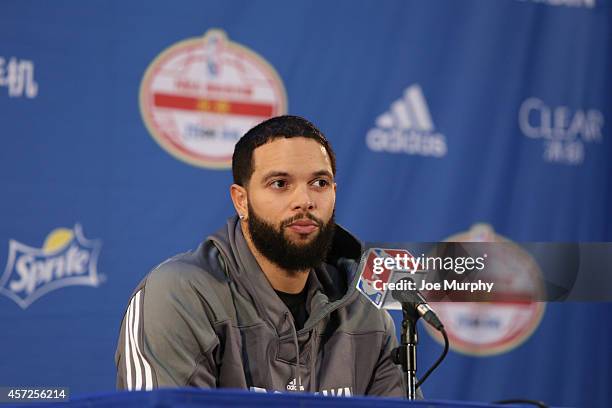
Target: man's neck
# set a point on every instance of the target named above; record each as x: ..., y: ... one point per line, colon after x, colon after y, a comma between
x: 280, y: 279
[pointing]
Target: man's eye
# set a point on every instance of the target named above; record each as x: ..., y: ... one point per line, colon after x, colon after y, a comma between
x: 279, y: 184
x: 321, y: 183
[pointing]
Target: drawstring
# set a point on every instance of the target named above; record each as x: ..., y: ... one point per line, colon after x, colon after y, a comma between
x: 298, y: 377
x: 313, y: 349
x: 313, y: 359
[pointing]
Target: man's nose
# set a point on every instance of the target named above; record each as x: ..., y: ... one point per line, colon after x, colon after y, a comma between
x: 302, y: 199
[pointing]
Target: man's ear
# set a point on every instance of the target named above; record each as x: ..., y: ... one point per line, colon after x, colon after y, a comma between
x: 240, y: 200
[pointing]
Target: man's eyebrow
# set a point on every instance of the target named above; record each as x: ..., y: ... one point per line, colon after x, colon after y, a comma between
x: 323, y: 173
x: 274, y: 173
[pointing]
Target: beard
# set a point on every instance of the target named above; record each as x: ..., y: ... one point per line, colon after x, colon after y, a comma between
x: 274, y: 245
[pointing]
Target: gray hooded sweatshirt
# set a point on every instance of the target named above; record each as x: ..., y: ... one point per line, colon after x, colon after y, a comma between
x: 209, y: 318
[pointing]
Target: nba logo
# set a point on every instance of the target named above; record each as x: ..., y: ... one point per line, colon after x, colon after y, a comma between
x: 368, y: 277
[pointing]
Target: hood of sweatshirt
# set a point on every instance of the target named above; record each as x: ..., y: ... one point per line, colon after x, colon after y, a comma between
x: 330, y: 285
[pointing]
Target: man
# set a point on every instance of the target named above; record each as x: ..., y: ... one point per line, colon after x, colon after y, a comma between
x: 268, y: 303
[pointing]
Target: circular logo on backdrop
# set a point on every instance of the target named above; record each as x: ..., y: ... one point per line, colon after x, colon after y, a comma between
x: 487, y: 328
x: 200, y: 95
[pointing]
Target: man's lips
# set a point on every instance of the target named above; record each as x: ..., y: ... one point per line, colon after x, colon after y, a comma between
x: 303, y: 226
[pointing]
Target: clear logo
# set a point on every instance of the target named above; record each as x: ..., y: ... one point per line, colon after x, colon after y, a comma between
x: 566, y: 3
x: 563, y: 131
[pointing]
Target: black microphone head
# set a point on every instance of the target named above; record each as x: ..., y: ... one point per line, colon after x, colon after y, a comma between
x: 407, y: 296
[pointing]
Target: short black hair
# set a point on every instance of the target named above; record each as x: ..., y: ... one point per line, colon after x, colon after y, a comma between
x: 286, y: 126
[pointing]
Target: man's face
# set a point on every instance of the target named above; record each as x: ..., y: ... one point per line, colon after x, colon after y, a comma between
x: 291, y: 199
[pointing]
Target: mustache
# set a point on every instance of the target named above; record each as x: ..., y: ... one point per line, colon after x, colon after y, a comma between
x: 297, y: 217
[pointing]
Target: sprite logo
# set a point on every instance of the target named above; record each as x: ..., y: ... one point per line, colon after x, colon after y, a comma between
x: 66, y: 258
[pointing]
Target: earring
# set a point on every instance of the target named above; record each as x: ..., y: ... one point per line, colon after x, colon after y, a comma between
x: 242, y: 217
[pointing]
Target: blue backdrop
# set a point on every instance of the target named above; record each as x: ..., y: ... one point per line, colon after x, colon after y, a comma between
x: 117, y: 118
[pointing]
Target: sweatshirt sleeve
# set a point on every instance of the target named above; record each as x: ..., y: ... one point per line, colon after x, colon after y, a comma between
x: 387, y: 379
x: 166, y: 338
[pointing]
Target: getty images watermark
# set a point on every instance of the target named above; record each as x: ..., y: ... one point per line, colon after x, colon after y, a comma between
x: 445, y: 270
x: 406, y: 262
x: 500, y: 272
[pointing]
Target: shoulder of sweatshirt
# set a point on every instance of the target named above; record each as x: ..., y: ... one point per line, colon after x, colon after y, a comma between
x: 192, y: 278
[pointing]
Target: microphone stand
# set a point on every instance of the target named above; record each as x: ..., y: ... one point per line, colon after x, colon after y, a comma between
x: 406, y: 354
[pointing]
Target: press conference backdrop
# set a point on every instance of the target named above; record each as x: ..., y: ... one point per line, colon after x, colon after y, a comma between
x: 471, y: 119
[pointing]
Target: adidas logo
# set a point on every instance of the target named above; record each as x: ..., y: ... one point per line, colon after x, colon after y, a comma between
x: 407, y: 128
x: 293, y: 386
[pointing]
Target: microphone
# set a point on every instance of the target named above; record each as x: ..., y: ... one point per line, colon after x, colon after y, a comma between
x: 381, y: 273
x: 414, y: 299
x: 376, y: 276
